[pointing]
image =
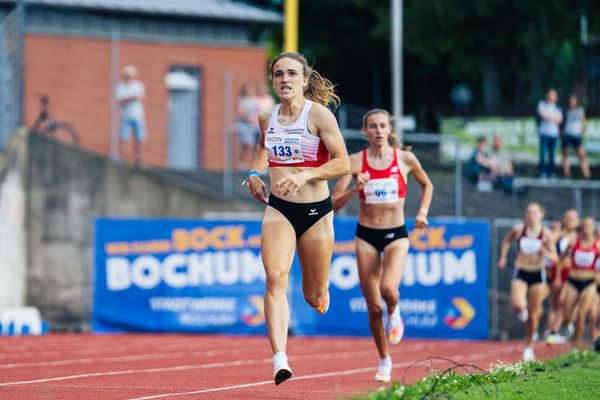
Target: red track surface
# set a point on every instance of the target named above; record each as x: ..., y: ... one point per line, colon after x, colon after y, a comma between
x: 182, y: 367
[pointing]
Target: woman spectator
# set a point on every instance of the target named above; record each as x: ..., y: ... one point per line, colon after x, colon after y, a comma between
x: 574, y: 133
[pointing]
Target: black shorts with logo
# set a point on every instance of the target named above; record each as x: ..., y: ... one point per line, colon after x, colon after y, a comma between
x: 301, y: 215
x: 530, y: 277
x: 580, y: 284
x: 379, y: 238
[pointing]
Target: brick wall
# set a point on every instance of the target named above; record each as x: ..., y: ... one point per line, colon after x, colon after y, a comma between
x: 76, y: 72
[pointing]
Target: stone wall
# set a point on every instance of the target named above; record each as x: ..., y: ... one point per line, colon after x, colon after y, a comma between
x: 64, y: 190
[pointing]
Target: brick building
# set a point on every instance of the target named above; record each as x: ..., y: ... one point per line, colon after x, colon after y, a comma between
x: 192, y: 57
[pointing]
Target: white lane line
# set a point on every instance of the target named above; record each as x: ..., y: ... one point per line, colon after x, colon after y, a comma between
x: 299, y: 378
x: 100, y: 345
x: 158, y: 356
x: 155, y: 356
x: 165, y: 345
x: 323, y: 356
x: 138, y: 357
x: 344, y: 355
x: 305, y: 377
x: 89, y: 350
x: 137, y: 371
x: 158, y: 396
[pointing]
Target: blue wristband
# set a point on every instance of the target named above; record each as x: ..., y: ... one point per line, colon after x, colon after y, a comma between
x: 248, y: 175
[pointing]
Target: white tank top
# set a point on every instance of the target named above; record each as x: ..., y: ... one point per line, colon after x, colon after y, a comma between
x: 529, y: 245
x: 293, y: 145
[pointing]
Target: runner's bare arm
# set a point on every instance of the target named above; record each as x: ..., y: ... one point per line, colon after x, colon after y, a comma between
x: 323, y: 122
x: 341, y: 194
x: 420, y: 175
x: 260, y: 161
x: 549, y: 248
x: 508, y: 238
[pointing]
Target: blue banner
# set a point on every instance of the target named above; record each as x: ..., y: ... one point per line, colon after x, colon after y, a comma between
x: 207, y: 276
x: 178, y: 275
x: 443, y: 293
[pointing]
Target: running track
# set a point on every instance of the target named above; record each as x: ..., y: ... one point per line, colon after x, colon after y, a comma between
x: 149, y: 366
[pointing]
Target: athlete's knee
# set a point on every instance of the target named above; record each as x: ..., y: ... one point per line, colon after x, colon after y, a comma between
x: 390, y: 294
x: 535, y: 313
x: 375, y: 311
x: 276, y: 281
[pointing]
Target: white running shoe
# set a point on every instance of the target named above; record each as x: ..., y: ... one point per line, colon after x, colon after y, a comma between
x: 570, y: 330
x: 384, y: 372
x: 281, y: 368
x: 523, y: 315
x: 556, y: 338
x: 324, y: 306
x: 528, y: 354
x: 395, y: 326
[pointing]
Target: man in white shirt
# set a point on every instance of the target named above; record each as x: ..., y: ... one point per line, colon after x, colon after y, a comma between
x: 129, y: 93
x: 550, y: 117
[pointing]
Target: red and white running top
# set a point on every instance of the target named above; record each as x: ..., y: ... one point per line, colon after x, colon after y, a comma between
x: 528, y: 245
x: 293, y: 145
x: 384, y: 185
x: 584, y: 257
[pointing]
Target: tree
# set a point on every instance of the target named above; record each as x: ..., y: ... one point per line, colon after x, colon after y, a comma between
x: 508, y: 51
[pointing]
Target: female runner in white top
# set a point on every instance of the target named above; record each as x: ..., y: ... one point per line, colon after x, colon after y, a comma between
x: 304, y: 147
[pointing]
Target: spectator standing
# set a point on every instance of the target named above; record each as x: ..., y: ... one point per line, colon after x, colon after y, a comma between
x: 550, y: 117
x: 573, y: 136
x: 130, y: 92
x: 481, y: 166
x: 263, y: 101
x: 504, y: 171
x: 247, y: 124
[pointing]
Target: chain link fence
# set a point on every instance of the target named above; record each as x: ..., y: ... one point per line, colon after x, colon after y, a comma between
x: 12, y: 31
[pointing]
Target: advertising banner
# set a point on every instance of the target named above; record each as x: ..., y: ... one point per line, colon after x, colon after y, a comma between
x: 519, y: 136
x: 443, y: 293
x: 207, y: 276
x: 177, y: 276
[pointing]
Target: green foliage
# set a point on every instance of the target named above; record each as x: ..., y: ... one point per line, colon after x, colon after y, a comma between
x: 532, y: 45
x: 456, y: 383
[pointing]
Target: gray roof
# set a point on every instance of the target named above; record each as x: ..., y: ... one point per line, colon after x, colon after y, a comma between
x: 209, y: 9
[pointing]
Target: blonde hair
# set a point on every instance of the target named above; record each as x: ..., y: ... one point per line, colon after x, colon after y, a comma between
x: 319, y: 89
x: 392, y: 138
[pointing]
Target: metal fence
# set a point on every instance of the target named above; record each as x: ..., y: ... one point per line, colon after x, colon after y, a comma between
x: 12, y: 30
x: 503, y: 323
x: 558, y: 195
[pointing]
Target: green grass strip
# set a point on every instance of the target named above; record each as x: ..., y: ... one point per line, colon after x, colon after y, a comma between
x: 574, y: 375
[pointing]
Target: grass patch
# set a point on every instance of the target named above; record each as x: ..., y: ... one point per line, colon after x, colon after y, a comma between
x: 570, y: 376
